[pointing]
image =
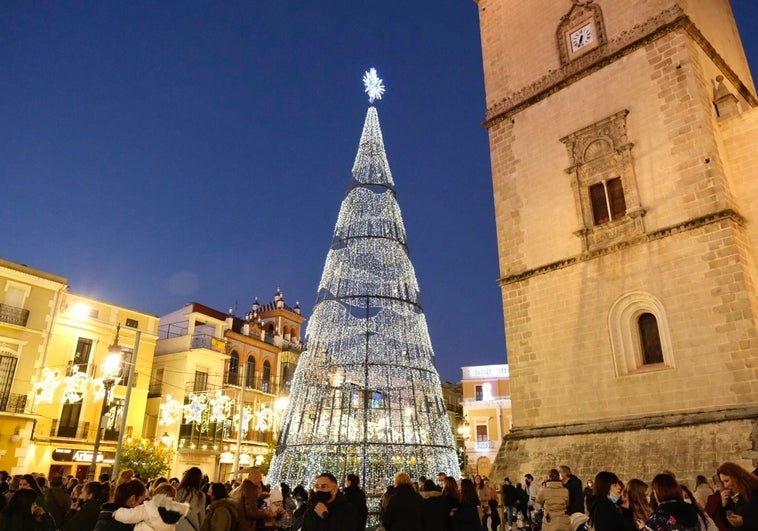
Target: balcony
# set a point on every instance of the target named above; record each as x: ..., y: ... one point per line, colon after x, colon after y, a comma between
x: 13, y: 315
x: 481, y: 446
x: 13, y: 403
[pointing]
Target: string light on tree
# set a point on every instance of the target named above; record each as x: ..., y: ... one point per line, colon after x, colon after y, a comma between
x: 366, y: 397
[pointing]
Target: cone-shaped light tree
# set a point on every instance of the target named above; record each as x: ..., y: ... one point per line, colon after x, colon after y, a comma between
x: 366, y: 397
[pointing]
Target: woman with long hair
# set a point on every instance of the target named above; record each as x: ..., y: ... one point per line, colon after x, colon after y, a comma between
x: 672, y: 511
x: 129, y: 495
x: 706, y: 522
x: 23, y: 514
x: 85, y: 508
x: 635, y: 505
x: 452, y: 496
x: 739, y: 497
x: 189, y: 492
x: 467, y: 517
x: 605, y: 514
x: 27, y: 481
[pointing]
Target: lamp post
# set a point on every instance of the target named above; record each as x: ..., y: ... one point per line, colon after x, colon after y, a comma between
x: 111, y: 368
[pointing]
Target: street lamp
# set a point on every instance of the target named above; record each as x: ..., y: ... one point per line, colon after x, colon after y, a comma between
x: 111, y: 368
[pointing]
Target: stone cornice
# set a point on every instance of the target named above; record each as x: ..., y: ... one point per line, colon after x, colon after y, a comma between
x: 672, y: 19
x: 687, y: 225
x: 640, y: 422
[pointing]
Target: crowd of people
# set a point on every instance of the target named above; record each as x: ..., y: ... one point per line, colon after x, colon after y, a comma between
x: 607, y: 503
x: 29, y: 502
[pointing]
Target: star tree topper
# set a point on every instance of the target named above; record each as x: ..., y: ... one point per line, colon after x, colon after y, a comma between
x: 373, y: 84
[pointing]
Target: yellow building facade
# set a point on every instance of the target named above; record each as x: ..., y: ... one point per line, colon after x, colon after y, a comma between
x: 56, y: 395
x: 486, y: 405
x: 622, y: 138
x: 219, y: 382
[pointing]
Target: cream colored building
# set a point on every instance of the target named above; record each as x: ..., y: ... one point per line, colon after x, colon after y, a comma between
x: 51, y: 361
x: 216, y: 363
x: 30, y: 298
x: 622, y: 138
x: 487, y: 415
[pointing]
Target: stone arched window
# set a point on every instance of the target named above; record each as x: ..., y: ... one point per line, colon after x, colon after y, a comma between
x: 640, y: 338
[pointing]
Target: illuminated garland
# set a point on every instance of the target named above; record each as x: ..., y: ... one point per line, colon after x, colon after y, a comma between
x: 366, y: 397
x: 170, y: 411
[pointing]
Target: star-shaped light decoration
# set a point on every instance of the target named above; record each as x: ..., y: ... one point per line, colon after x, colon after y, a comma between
x: 373, y: 84
x: 75, y: 386
x: 49, y: 382
x: 264, y: 418
x: 193, y: 412
x: 171, y: 411
x: 221, y: 407
x: 247, y: 416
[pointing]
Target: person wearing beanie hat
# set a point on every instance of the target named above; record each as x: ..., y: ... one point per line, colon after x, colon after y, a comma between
x: 275, y: 502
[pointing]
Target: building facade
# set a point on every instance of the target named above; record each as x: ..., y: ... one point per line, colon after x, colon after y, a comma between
x: 54, y: 344
x: 622, y: 142
x: 486, y: 405
x: 219, y: 383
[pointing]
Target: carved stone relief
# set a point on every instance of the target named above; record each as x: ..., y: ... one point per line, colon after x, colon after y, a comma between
x: 600, y: 152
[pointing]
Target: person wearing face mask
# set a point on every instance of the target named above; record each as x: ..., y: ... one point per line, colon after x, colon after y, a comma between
x: 605, y: 514
x: 330, y: 510
x: 672, y: 512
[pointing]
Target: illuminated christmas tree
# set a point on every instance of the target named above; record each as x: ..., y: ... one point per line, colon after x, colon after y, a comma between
x: 366, y: 397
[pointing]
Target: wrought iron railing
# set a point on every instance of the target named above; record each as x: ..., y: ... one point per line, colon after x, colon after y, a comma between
x: 14, y: 403
x: 80, y: 430
x: 13, y: 315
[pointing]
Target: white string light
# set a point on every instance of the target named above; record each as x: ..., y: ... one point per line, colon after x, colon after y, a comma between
x: 366, y: 397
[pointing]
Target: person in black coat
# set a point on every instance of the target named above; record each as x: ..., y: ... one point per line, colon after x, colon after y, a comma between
x: 436, y: 507
x: 355, y: 495
x: 510, y: 501
x: 85, y: 510
x: 23, y: 514
x: 329, y: 509
x: 576, y: 493
x: 129, y: 494
x: 467, y: 515
x: 605, y: 514
x: 405, y: 507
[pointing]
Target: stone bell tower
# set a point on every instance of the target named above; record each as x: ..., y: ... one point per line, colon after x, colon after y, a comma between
x: 622, y: 138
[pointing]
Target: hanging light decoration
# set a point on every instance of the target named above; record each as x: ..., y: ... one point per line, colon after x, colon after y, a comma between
x: 47, y: 384
x: 221, y: 407
x: 366, y: 397
x: 170, y: 411
x: 193, y: 411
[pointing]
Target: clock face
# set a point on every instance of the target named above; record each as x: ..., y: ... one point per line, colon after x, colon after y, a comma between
x: 581, y: 37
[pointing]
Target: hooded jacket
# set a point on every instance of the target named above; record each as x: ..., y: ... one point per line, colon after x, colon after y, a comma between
x: 157, y: 514
x: 221, y: 515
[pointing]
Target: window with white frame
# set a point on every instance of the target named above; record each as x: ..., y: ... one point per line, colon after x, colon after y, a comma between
x: 640, y: 338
